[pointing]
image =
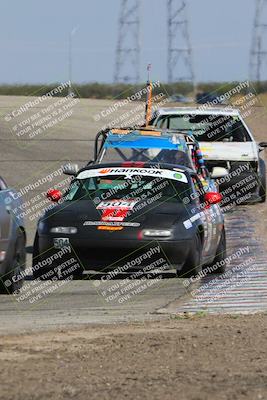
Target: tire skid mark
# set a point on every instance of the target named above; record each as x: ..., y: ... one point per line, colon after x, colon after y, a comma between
x: 245, y: 291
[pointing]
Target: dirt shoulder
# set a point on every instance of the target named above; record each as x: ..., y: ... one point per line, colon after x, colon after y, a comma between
x: 201, y: 357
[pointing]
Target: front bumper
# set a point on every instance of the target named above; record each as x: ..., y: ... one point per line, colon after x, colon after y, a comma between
x: 4, y: 252
x: 130, y: 255
x: 241, y: 189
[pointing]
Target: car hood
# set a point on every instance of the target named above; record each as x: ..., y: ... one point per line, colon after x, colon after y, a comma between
x: 237, y: 151
x: 156, y: 215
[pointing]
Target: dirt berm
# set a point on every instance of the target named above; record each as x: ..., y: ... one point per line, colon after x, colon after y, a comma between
x: 191, y: 358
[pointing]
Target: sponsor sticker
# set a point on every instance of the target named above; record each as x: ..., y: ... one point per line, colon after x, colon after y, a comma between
x: 178, y: 176
x: 109, y: 228
x: 111, y: 223
x: 189, y: 222
x: 129, y: 172
x: 115, y: 210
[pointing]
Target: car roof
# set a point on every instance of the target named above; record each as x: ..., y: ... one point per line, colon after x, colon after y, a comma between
x: 202, y: 110
x: 150, y: 130
x: 134, y: 140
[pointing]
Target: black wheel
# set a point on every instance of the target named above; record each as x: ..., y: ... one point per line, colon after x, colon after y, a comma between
x: 262, y: 190
x: 12, y: 282
x: 192, y: 265
x: 42, y: 273
x: 36, y: 273
x: 220, y: 254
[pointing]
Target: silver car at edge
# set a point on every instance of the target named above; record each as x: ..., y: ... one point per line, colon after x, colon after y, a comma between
x: 12, y: 240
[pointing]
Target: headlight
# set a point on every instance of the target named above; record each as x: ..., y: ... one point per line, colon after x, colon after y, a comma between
x: 2, y: 255
x: 41, y: 226
x: 64, y: 229
x: 157, y: 232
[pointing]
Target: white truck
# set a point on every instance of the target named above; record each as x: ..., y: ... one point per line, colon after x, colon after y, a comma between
x: 226, y: 141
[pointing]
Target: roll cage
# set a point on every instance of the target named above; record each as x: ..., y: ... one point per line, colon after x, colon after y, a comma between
x: 192, y: 145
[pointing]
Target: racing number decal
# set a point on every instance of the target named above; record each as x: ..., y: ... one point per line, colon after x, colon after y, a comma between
x: 115, y: 210
x: 114, y: 214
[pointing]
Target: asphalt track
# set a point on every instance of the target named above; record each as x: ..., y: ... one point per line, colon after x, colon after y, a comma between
x: 25, y: 161
x: 243, y: 287
x: 80, y: 302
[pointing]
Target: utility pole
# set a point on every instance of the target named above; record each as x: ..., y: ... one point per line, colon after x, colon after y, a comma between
x: 127, y: 65
x: 71, y: 34
x: 258, y: 53
x: 180, y: 59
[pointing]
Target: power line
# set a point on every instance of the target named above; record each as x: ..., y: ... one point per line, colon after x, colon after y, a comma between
x: 180, y: 60
x: 258, y: 53
x: 127, y: 65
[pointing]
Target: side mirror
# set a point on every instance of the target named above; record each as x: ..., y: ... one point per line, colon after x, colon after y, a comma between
x: 70, y: 169
x: 263, y: 144
x: 213, y: 197
x: 54, y: 195
x: 219, y: 172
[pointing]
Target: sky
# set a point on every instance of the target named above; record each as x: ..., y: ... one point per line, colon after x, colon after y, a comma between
x: 34, y: 39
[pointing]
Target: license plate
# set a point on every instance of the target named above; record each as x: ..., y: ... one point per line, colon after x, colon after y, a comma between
x: 59, y: 243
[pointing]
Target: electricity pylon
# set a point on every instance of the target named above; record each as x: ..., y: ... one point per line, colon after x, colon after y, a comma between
x: 180, y: 60
x: 128, y: 47
x: 258, y: 53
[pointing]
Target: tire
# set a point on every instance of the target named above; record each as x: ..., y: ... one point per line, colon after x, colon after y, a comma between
x: 220, y: 254
x: 262, y: 178
x: 192, y: 265
x: 41, y: 273
x: 35, y: 259
x: 18, y: 260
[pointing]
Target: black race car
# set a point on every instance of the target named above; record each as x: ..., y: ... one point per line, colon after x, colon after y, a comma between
x: 125, y: 216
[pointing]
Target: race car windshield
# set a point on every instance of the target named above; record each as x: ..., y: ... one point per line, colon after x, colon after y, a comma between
x: 147, y: 155
x: 206, y: 128
x: 122, y: 187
